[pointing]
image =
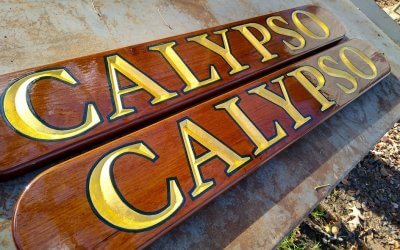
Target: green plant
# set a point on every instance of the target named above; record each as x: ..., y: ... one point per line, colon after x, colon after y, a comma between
x: 318, y: 213
x: 291, y: 242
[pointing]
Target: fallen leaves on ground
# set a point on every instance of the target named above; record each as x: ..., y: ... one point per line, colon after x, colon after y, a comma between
x: 355, y: 222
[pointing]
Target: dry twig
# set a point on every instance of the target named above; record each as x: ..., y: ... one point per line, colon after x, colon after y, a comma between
x: 95, y: 9
x: 321, y: 186
x: 165, y: 23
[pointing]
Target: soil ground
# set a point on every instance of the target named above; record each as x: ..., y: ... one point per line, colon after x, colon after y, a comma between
x: 363, y: 211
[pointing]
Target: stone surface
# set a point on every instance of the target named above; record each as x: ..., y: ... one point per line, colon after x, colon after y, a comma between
x: 264, y: 207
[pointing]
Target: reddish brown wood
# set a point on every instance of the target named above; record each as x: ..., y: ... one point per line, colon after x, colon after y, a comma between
x: 62, y: 106
x: 54, y: 210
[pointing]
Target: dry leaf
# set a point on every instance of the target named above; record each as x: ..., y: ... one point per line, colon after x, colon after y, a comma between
x: 335, y: 231
x: 355, y: 222
x: 327, y: 229
x: 351, y: 192
x: 397, y: 244
x: 385, y: 172
x: 345, y: 181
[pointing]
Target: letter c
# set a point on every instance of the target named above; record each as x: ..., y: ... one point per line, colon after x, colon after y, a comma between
x: 21, y: 117
x: 112, y: 208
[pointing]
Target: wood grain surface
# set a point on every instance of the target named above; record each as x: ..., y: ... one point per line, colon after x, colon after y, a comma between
x: 60, y: 209
x: 59, y: 107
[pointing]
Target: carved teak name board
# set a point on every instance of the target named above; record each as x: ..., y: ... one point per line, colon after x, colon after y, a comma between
x: 133, y: 189
x: 50, y: 111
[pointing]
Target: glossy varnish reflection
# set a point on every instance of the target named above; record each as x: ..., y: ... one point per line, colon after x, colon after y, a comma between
x: 51, y: 111
x: 166, y: 171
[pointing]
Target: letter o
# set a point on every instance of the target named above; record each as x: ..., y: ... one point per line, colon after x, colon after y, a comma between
x: 306, y: 30
x: 353, y: 68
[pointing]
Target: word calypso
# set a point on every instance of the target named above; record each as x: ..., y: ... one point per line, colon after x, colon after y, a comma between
x: 75, y: 102
x: 238, y: 130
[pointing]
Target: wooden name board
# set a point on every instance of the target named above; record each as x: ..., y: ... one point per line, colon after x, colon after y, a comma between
x: 130, y: 191
x: 51, y: 111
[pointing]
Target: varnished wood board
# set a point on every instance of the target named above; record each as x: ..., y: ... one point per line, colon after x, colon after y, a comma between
x: 115, y: 196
